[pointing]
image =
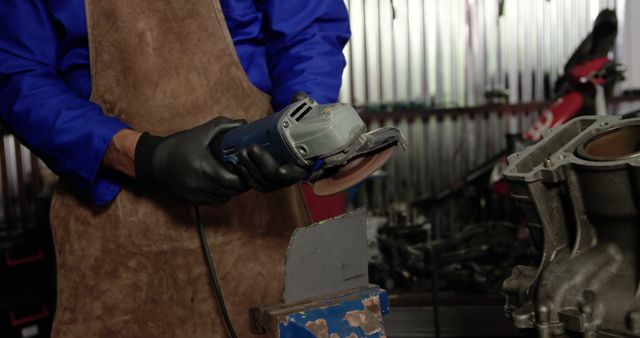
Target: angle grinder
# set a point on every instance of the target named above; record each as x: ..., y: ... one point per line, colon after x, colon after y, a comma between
x: 330, y: 141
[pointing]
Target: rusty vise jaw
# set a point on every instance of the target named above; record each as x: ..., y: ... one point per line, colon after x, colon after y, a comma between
x: 326, y: 290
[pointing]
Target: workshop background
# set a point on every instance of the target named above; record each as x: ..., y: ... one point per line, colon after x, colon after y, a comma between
x: 457, y: 77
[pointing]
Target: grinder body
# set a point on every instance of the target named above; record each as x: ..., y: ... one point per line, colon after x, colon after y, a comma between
x: 263, y: 132
x: 300, y: 134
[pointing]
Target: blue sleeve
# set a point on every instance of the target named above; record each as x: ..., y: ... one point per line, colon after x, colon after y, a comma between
x: 304, y: 40
x: 68, y: 132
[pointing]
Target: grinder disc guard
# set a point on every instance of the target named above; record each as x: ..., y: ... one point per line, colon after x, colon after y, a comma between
x: 352, y: 166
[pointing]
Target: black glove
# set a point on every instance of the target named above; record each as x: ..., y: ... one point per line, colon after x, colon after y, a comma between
x: 262, y: 172
x: 183, y: 164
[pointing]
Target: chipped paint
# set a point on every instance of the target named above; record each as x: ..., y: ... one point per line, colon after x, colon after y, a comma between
x: 318, y: 327
x: 369, y: 319
x: 329, y: 318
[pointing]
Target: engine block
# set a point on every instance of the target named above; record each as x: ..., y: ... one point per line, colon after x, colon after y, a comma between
x: 579, y: 189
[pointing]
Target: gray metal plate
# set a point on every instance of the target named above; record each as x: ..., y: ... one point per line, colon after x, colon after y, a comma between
x: 327, y: 257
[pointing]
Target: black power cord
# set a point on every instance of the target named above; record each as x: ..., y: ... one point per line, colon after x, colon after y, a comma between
x: 212, y: 275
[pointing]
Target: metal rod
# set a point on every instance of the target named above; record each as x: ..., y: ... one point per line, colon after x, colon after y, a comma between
x: 434, y: 293
x: 22, y: 190
x: 379, y: 53
x: 367, y: 98
x: 351, y: 70
x: 425, y: 63
x: 408, y: 56
x: 36, y: 181
x: 6, y: 195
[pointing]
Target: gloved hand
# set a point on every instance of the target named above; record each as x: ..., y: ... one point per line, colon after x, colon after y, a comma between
x: 262, y: 172
x: 183, y: 164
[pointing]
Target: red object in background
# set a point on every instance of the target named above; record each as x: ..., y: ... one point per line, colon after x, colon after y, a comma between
x: 585, y: 69
x: 323, y: 207
x: 41, y: 314
x: 39, y: 255
x: 501, y: 188
x: 564, y: 109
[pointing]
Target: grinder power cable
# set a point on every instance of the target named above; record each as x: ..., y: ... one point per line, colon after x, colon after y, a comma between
x: 213, y: 277
x: 330, y: 141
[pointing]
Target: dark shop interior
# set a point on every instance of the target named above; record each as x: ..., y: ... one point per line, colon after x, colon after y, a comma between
x: 319, y: 168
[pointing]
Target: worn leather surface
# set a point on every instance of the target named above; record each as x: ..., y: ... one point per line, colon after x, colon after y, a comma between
x: 134, y: 268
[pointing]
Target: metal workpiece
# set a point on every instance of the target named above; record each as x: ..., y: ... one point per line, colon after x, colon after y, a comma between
x: 327, y: 257
x: 326, y: 289
x: 579, y: 189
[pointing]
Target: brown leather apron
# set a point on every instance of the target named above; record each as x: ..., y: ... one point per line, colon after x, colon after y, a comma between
x: 135, y: 268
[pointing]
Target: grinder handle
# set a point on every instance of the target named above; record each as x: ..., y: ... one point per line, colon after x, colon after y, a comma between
x: 263, y: 132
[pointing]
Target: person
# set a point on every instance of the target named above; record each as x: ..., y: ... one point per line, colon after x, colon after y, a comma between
x: 284, y: 46
x: 142, y: 88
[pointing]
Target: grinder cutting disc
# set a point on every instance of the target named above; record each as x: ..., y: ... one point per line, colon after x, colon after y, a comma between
x: 352, y: 173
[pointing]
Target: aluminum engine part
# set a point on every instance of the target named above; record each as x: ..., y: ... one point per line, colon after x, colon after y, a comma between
x: 579, y: 189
